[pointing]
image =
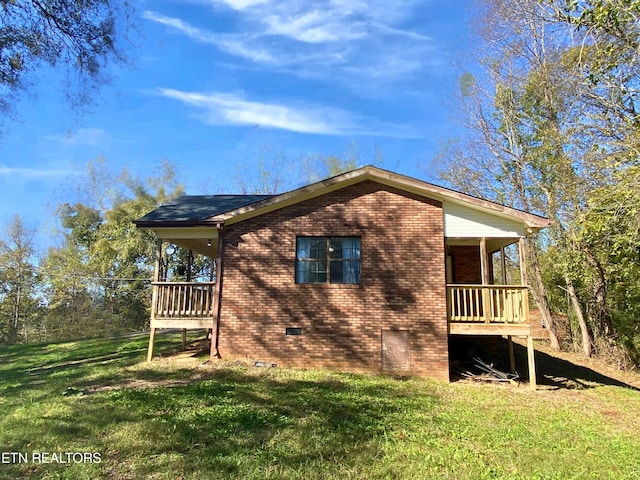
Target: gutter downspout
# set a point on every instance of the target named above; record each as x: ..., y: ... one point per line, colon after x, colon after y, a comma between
x: 217, y: 295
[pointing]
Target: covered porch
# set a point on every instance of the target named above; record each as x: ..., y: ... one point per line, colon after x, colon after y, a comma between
x: 182, y: 299
x: 477, y: 304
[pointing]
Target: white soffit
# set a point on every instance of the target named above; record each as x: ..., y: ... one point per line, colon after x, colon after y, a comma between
x: 186, y: 232
x: 463, y: 221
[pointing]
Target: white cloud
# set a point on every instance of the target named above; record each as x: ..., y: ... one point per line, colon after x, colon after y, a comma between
x: 180, y: 25
x: 314, y: 26
x: 239, y: 4
x: 231, y: 109
x: 233, y: 44
x: 33, y: 173
x: 83, y: 136
x: 336, y: 40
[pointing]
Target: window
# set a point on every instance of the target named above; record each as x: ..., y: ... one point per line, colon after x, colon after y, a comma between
x: 328, y: 260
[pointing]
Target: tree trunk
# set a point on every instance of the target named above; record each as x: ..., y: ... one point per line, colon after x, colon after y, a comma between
x: 600, y: 295
x: 540, y: 295
x: 584, y: 330
x: 15, y: 321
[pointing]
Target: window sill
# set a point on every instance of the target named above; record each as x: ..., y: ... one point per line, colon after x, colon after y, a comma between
x: 341, y: 286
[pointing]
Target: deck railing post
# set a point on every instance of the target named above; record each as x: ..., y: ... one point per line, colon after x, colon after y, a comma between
x: 154, y: 298
x: 484, y: 270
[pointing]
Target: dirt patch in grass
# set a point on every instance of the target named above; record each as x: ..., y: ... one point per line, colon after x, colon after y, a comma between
x: 145, y: 383
x: 191, y: 365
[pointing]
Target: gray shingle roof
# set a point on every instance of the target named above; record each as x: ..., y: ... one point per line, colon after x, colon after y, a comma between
x: 194, y: 209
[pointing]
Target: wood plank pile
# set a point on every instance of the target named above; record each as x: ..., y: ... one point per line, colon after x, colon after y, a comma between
x: 487, y: 372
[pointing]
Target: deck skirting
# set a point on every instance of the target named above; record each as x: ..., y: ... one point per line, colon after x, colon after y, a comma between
x: 510, y: 329
x: 180, y: 323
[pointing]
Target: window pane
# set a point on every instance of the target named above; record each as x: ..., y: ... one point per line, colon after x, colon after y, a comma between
x: 311, y: 271
x: 335, y: 249
x: 311, y: 247
x: 351, y: 248
x: 319, y: 270
x: 336, y: 272
x: 345, y: 271
x: 321, y: 266
x: 303, y: 248
x: 303, y: 272
x: 351, y: 271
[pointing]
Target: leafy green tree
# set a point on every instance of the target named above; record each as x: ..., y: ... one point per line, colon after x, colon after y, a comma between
x: 18, y: 281
x: 68, y: 284
x: 610, y: 231
x: 98, y: 279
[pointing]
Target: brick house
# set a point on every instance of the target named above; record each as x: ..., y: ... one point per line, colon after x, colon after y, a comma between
x: 365, y: 271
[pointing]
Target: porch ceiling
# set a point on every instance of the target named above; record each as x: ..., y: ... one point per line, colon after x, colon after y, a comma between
x: 200, y: 239
x: 493, y: 244
x: 197, y: 245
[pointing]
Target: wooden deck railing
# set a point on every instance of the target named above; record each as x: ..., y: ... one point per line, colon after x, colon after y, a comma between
x: 186, y: 300
x: 488, y: 303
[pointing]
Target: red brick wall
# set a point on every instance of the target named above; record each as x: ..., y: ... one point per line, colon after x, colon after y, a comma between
x: 402, y: 284
x: 465, y: 261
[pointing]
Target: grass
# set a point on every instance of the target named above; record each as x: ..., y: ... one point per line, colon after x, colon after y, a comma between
x: 171, y: 420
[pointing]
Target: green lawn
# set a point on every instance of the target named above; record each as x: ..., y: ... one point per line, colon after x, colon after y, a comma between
x: 173, y: 420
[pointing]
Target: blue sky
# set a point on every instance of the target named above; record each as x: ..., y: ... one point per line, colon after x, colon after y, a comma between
x: 215, y: 80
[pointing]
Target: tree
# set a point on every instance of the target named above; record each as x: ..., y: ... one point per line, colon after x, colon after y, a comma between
x: 68, y: 284
x: 317, y: 167
x: 267, y: 171
x: 98, y: 279
x: 270, y: 171
x: 610, y: 231
x: 85, y: 37
x: 18, y: 302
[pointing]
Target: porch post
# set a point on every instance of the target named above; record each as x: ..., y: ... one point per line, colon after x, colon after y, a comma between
x: 523, y: 262
x: 525, y: 306
x: 512, y: 358
x: 154, y: 297
x: 188, y: 279
x: 524, y: 279
x: 484, y: 271
x: 532, y: 363
x: 503, y: 263
x: 217, y: 293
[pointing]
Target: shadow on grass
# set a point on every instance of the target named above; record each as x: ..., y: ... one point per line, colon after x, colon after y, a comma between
x: 558, y: 373
x: 46, y: 369
x: 231, y: 419
x: 242, y: 419
x: 552, y: 372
